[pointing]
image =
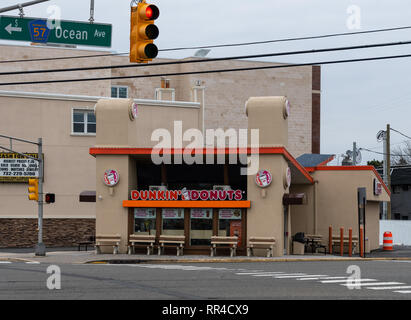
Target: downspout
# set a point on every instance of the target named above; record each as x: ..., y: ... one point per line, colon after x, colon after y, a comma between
x: 315, y: 206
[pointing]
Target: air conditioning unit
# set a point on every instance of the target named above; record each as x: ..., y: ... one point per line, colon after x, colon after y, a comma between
x: 222, y: 187
x: 157, y: 188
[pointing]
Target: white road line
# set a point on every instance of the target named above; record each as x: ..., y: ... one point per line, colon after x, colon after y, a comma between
x: 389, y: 288
x: 403, y: 291
x: 323, y: 278
x: 337, y: 281
x: 32, y: 262
x: 254, y: 273
x: 370, y: 284
x: 5, y: 262
x: 305, y: 276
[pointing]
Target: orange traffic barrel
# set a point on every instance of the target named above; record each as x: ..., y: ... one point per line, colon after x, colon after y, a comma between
x: 387, y: 241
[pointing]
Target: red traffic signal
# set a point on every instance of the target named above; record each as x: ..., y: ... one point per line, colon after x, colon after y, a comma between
x: 143, y: 32
x: 50, y: 198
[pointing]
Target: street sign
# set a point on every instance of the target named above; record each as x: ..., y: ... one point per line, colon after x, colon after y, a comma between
x: 70, y: 32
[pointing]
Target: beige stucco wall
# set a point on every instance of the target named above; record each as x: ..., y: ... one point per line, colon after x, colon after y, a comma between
x: 69, y: 169
x: 265, y: 218
x: 226, y: 93
x: 337, y: 202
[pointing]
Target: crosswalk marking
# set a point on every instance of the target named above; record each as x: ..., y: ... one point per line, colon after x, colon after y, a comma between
x: 323, y: 278
x: 278, y: 274
x: 370, y: 284
x: 304, y: 276
x: 389, y: 288
x: 337, y: 281
x: 256, y: 273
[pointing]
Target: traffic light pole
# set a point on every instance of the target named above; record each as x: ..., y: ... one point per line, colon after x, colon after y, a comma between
x: 40, y: 249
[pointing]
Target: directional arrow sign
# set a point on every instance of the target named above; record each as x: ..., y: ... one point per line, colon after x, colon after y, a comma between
x: 69, y: 32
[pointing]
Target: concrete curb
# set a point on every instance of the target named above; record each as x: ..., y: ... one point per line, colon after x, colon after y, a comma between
x: 16, y: 260
x: 159, y: 261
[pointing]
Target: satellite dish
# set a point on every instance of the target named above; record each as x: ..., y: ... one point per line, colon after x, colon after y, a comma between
x: 380, y: 135
x: 358, y: 157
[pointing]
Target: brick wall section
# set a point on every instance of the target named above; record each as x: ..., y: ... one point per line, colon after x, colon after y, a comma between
x: 316, y: 110
x: 22, y: 233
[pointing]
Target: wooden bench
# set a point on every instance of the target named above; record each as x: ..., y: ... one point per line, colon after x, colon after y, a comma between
x: 108, y: 240
x: 261, y: 242
x: 227, y: 242
x: 143, y: 240
x: 336, y: 240
x: 171, y: 241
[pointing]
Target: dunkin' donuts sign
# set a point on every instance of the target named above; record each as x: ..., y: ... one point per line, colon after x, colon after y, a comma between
x: 186, y: 195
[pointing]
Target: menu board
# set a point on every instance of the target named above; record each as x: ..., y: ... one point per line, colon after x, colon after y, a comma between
x: 230, y: 214
x: 168, y: 213
x: 201, y: 213
x: 144, y: 213
x: 16, y: 168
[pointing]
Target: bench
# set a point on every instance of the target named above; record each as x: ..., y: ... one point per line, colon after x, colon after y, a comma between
x: 227, y: 242
x: 336, y: 240
x: 171, y: 241
x: 89, y: 241
x: 143, y: 240
x: 261, y: 242
x: 108, y: 240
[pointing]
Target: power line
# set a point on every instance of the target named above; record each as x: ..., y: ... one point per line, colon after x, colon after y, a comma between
x: 383, y: 153
x: 209, y: 71
x: 266, y: 55
x: 400, y: 133
x: 290, y: 39
x: 221, y: 45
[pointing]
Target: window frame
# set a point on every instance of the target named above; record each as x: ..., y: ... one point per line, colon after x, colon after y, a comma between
x: 85, y: 112
x: 118, y: 92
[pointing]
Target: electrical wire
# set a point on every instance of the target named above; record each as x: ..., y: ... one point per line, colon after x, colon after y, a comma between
x: 266, y: 55
x: 401, y: 133
x: 221, y: 45
x: 208, y: 71
x: 383, y: 153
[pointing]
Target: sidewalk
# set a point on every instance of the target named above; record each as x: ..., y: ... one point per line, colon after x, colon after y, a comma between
x: 71, y: 256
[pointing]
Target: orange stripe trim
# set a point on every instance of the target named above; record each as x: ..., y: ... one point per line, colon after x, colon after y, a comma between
x: 172, y: 151
x: 351, y: 168
x: 186, y: 204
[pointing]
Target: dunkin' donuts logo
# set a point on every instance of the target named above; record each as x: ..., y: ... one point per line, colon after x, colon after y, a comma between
x: 111, y: 178
x: 191, y: 194
x: 263, y: 178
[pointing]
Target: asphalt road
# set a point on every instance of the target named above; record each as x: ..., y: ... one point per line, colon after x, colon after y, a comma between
x: 203, y: 281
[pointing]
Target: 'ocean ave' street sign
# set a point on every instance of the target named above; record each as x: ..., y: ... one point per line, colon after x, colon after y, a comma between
x: 69, y: 32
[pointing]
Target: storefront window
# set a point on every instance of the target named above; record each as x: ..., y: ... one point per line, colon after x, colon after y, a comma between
x: 229, y: 223
x: 173, y: 222
x: 145, y: 221
x: 201, y: 226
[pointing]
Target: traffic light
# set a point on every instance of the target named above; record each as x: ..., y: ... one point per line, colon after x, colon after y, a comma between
x: 50, y: 198
x: 33, y: 189
x: 143, y: 32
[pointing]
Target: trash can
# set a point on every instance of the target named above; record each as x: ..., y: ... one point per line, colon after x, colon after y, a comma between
x: 298, y: 243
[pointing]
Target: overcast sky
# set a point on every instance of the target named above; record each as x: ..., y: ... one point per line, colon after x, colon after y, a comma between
x: 358, y: 99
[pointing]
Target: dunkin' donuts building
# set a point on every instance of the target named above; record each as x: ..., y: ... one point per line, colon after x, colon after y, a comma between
x: 190, y: 187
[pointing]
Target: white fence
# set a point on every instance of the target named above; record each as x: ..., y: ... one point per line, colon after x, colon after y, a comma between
x: 400, y: 229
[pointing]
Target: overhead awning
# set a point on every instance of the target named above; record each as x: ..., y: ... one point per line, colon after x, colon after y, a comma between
x: 87, y: 196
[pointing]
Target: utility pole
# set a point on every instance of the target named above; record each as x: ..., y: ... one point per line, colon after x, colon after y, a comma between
x: 388, y: 157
